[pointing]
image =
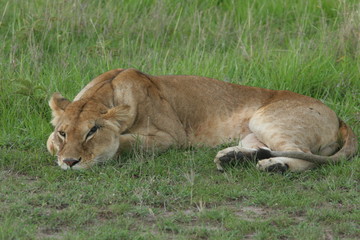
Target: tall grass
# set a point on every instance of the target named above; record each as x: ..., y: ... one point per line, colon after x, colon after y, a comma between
x: 309, y: 47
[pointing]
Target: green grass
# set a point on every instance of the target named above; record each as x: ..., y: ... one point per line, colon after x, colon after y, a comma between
x: 310, y: 47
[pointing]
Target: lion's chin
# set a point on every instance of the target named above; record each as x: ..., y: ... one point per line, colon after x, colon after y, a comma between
x: 75, y: 167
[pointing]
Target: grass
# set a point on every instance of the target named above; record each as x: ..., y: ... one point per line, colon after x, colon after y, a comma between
x: 310, y: 47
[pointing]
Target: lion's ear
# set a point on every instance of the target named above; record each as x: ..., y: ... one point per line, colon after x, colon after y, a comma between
x: 57, y: 104
x: 121, y: 114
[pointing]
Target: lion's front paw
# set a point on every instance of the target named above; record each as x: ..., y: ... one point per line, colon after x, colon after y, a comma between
x: 272, y: 165
x: 51, y: 146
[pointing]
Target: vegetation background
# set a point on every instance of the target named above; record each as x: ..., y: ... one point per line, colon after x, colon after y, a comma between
x: 311, y: 47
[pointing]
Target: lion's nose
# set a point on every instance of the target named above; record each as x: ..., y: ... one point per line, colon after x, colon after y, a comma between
x: 71, y: 161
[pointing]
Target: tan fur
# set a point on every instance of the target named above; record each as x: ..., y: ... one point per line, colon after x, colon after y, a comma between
x: 127, y: 106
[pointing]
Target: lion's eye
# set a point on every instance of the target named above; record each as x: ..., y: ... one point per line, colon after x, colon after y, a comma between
x: 92, y: 131
x: 62, y: 134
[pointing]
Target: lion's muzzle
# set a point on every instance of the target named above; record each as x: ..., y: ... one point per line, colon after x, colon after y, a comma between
x: 71, y: 161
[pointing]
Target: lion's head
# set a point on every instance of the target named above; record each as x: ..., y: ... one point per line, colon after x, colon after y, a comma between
x: 86, y: 131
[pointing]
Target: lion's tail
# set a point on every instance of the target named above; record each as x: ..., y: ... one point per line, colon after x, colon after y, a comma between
x: 346, y: 137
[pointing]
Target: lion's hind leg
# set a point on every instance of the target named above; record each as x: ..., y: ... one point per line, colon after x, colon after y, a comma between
x: 283, y: 164
x: 246, y: 150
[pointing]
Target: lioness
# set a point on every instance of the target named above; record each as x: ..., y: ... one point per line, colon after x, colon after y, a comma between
x: 282, y: 129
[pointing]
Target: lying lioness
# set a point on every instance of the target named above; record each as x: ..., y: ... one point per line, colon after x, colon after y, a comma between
x: 281, y: 129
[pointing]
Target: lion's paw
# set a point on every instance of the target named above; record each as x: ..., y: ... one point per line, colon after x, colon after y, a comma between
x: 272, y: 165
x: 233, y: 155
x: 226, y: 156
